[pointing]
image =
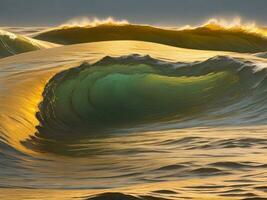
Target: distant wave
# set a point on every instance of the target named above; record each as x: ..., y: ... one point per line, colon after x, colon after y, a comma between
x: 12, y: 44
x: 234, y: 25
x: 213, y: 35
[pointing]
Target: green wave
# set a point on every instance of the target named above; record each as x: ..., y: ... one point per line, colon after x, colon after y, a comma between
x: 123, y: 94
x: 236, y: 40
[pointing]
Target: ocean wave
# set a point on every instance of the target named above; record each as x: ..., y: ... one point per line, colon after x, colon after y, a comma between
x: 12, y: 44
x: 209, y: 36
x: 133, y: 90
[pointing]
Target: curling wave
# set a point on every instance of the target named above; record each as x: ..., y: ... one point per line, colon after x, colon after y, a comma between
x: 133, y: 90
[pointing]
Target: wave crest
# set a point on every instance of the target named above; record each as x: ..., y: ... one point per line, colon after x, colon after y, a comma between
x: 234, y: 25
x: 92, y: 22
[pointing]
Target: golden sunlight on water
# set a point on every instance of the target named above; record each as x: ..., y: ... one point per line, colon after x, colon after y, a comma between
x: 202, y: 158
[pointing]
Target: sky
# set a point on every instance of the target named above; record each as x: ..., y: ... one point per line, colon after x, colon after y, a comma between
x: 156, y: 12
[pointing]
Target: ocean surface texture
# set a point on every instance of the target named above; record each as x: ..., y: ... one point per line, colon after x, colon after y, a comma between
x: 117, y: 111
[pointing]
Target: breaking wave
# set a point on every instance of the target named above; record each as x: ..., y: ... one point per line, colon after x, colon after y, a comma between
x: 213, y: 35
x: 86, y: 22
x: 135, y: 91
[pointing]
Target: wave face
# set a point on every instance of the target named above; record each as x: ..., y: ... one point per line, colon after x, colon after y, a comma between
x: 12, y: 44
x: 207, y: 37
x: 132, y: 91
